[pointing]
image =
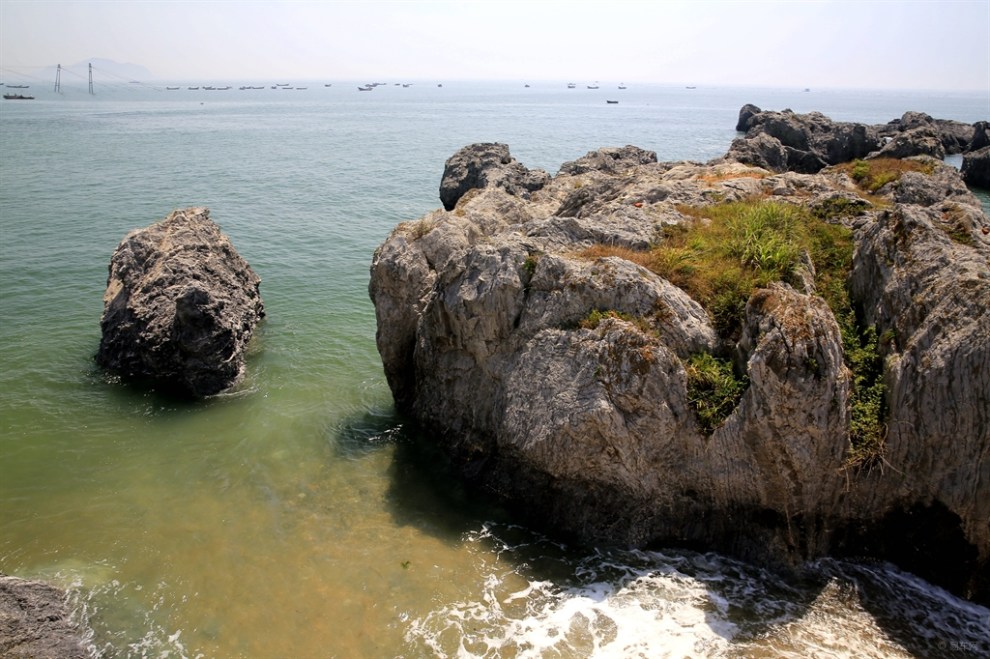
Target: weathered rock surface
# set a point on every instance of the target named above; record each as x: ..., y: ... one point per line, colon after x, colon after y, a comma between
x: 35, y: 622
x: 180, y: 306
x: 589, y: 429
x: 481, y: 165
x: 804, y: 143
x: 976, y: 168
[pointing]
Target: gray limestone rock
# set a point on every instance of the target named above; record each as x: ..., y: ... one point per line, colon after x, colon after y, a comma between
x: 528, y: 336
x: 180, y: 307
x: 481, y: 165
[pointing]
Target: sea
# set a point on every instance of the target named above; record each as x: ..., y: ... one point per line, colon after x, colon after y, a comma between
x: 299, y: 515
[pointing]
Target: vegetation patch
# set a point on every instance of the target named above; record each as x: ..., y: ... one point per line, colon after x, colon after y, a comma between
x: 719, y: 175
x: 725, y: 252
x: 868, y: 401
x: 599, y: 251
x: 871, y: 175
x: 714, y: 389
x: 729, y: 250
x: 595, y: 318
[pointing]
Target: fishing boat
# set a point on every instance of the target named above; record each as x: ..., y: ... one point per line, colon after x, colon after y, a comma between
x: 18, y: 86
x: 365, y: 89
x: 171, y: 89
x: 18, y: 97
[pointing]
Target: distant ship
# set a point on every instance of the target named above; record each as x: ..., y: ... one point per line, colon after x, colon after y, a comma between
x: 18, y: 97
x: 571, y: 85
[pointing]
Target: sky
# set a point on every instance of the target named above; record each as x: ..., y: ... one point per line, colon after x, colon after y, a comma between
x: 890, y: 44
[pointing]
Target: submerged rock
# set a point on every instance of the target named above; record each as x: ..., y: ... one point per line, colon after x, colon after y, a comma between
x: 530, y: 337
x: 180, y: 306
x: 35, y: 622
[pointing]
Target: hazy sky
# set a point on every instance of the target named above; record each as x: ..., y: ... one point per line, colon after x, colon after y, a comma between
x: 909, y: 44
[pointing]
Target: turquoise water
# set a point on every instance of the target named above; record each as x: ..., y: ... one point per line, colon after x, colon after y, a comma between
x: 294, y: 517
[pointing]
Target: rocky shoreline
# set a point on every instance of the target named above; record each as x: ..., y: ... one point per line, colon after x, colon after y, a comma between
x: 549, y: 331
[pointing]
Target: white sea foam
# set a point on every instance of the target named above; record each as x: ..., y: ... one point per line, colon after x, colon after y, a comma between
x: 653, y: 604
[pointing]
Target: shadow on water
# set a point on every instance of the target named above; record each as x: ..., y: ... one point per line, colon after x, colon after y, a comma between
x: 751, y: 609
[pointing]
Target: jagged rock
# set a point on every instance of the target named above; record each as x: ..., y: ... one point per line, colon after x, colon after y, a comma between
x: 180, y: 306
x: 761, y: 150
x: 35, y: 622
x: 924, y: 140
x: 485, y: 335
x: 609, y: 161
x: 955, y: 136
x: 976, y: 168
x: 926, y: 286
x: 980, y: 137
x: 809, y: 142
x: 746, y: 113
x: 481, y: 165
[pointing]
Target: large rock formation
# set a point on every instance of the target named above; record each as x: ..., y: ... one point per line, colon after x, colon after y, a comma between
x: 524, y: 330
x: 35, y: 622
x: 180, y: 306
x: 804, y: 143
x: 787, y: 141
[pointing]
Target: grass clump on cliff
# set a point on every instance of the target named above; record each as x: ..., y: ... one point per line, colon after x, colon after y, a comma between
x: 726, y: 251
x: 871, y: 175
x: 714, y: 389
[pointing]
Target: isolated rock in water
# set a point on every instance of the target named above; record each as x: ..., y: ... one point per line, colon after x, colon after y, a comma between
x: 482, y: 165
x: 976, y: 168
x: 35, y: 622
x: 180, y: 306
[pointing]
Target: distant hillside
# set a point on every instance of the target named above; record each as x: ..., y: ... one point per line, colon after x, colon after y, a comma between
x: 104, y: 68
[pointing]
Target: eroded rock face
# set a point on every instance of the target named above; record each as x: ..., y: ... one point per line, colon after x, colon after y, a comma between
x: 804, y: 143
x: 35, y: 622
x: 588, y: 426
x: 180, y: 307
x: 481, y: 165
x: 976, y: 168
